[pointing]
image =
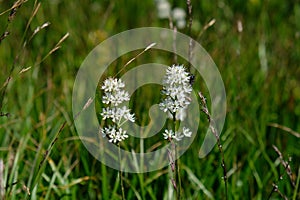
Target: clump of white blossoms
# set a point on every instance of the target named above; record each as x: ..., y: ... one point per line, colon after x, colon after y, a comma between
x: 113, y: 96
x: 170, y: 134
x: 176, y: 90
x: 179, y: 15
x: 164, y: 11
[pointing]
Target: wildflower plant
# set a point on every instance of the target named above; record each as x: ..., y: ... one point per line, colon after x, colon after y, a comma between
x: 114, y: 115
x: 176, y: 93
x: 114, y: 95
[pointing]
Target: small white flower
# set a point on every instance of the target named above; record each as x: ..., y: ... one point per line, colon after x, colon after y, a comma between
x: 127, y: 115
x: 181, y: 114
x: 115, y: 135
x: 122, y: 134
x: 115, y: 97
x: 123, y: 112
x: 107, y: 113
x: 107, y: 131
x: 102, y: 132
x: 178, y: 136
x: 178, y: 14
x: 116, y: 114
x: 181, y: 23
x: 186, y: 132
x: 168, y: 134
x: 163, y: 9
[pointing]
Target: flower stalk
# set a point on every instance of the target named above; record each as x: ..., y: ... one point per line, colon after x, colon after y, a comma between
x: 115, y: 116
x: 176, y: 91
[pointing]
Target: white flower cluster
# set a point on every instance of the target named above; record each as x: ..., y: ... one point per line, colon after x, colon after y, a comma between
x: 179, y: 15
x: 113, y: 96
x: 164, y: 12
x: 116, y: 114
x: 170, y: 134
x: 113, y: 92
x: 163, y: 9
x: 177, y: 88
x: 114, y: 134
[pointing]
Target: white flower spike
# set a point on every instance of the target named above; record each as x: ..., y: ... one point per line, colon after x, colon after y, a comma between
x: 177, y: 90
x: 113, y: 96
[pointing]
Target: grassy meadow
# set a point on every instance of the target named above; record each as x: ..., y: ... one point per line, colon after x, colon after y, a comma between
x: 255, y: 45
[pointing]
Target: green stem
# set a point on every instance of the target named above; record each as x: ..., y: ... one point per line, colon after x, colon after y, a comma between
x: 177, y: 162
x: 178, y: 177
x: 103, y: 171
x: 104, y: 182
x: 141, y: 175
x: 120, y: 173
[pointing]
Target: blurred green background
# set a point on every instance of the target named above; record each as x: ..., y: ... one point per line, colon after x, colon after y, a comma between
x: 254, y: 43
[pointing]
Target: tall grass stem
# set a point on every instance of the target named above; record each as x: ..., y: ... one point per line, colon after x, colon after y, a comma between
x: 216, y: 134
x: 120, y: 174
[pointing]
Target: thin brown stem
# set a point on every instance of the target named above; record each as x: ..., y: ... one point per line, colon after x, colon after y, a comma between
x: 287, y: 169
x: 276, y: 189
x: 215, y: 133
x: 191, y: 43
x: 286, y: 166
